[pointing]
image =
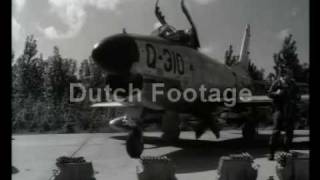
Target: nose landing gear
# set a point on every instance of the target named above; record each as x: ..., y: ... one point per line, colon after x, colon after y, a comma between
x: 134, y: 143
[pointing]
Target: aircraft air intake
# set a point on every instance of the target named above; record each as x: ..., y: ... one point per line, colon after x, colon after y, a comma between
x: 116, y: 54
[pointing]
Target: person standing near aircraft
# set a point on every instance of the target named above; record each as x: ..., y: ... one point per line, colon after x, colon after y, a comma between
x: 285, y: 95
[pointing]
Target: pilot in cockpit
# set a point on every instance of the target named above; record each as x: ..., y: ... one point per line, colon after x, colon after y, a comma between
x: 165, y: 31
x: 187, y: 37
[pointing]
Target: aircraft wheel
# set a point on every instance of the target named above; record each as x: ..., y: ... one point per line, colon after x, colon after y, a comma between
x: 249, y: 132
x: 134, y: 143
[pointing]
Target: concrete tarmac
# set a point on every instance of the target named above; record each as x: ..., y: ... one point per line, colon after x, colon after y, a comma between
x: 35, y: 155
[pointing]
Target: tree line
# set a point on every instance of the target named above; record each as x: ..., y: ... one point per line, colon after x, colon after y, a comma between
x: 40, y: 92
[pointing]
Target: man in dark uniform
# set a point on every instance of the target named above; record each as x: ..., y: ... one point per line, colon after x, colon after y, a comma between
x: 285, y: 95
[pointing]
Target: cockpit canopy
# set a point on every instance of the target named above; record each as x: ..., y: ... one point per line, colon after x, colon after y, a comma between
x: 188, y: 37
x: 171, y: 34
x: 164, y: 31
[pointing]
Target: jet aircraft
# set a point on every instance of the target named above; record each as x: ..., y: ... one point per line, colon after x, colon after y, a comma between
x: 170, y: 57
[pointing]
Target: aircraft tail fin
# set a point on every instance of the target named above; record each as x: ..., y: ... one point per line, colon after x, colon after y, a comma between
x: 244, y: 52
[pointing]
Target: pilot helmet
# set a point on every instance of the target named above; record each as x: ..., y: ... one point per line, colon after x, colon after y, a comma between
x: 187, y: 31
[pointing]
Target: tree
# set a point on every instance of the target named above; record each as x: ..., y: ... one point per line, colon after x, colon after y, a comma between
x: 288, y: 58
x: 255, y: 73
x: 93, y: 77
x: 91, y: 74
x: 40, y: 91
x: 305, y: 73
x: 27, y: 85
x: 84, y: 71
x: 59, y: 73
x: 270, y: 78
x: 230, y: 59
x: 29, y: 71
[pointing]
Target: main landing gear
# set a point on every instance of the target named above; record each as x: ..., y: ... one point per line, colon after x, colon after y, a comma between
x: 171, y: 131
x: 249, y: 132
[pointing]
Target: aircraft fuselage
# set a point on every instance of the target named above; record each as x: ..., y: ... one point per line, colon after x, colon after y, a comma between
x: 159, y: 60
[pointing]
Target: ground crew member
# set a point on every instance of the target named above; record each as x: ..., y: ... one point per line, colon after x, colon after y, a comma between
x: 285, y: 95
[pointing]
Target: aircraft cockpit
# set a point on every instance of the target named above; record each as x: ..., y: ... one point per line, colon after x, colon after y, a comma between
x: 170, y: 33
x: 187, y: 37
x: 164, y: 31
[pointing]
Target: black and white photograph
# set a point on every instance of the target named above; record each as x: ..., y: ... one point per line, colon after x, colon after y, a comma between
x: 160, y: 89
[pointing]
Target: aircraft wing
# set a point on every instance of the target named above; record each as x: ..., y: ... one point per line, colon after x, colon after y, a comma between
x: 265, y: 100
x: 113, y: 104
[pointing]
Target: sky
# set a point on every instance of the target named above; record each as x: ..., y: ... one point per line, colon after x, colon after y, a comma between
x: 76, y: 25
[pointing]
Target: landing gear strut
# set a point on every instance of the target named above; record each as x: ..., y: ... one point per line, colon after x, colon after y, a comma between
x: 134, y: 143
x: 249, y: 132
x: 170, y: 126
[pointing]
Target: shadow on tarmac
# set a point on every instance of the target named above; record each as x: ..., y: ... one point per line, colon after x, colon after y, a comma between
x: 204, y: 155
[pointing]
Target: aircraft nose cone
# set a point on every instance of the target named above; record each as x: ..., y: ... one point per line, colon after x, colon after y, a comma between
x: 116, y: 54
